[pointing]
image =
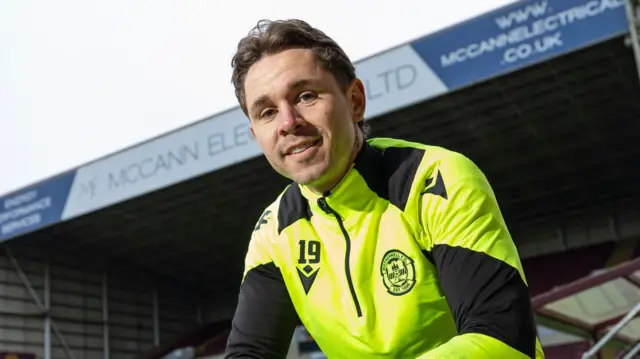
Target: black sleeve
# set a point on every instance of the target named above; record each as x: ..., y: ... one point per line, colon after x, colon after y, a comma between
x: 487, y: 296
x: 265, y: 319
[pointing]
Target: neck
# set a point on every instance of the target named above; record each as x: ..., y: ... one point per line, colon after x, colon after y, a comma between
x: 327, y: 186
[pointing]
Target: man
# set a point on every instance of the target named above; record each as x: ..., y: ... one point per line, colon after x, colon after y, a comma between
x: 382, y: 248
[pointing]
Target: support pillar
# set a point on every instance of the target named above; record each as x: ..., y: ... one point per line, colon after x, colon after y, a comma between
x: 47, y: 307
x: 156, y: 319
x: 105, y: 317
x: 633, y: 16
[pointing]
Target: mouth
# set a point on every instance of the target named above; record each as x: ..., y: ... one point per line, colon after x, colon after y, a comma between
x: 302, y: 148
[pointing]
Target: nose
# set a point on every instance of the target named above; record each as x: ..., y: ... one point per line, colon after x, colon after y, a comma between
x: 291, y: 120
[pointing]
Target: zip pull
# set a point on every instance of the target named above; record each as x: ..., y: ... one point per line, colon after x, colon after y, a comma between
x: 322, y: 203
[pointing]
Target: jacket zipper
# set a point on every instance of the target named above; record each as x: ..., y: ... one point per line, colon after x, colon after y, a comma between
x: 322, y: 203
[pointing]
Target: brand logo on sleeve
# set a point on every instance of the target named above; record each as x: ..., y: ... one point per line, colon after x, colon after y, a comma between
x: 398, y: 272
x: 436, y: 188
x: 264, y: 219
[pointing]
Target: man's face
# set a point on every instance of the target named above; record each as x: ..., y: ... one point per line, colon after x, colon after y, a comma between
x: 301, y: 118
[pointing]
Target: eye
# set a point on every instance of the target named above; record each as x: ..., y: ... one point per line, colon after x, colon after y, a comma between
x: 307, y: 96
x: 268, y: 113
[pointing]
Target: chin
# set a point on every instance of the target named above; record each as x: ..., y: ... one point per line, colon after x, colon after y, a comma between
x: 305, y: 179
x: 308, y: 175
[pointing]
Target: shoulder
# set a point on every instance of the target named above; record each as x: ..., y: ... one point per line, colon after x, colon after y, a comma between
x: 288, y: 207
x: 408, y: 167
x: 412, y: 170
x: 417, y: 161
x: 291, y: 207
x: 264, y: 235
x: 269, y: 222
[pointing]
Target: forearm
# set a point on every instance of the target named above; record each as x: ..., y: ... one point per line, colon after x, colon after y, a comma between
x: 473, y: 346
x: 265, y: 319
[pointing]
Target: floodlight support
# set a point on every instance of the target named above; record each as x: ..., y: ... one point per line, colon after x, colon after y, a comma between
x: 633, y: 17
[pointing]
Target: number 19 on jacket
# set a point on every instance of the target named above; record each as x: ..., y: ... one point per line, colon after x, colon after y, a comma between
x: 309, y: 252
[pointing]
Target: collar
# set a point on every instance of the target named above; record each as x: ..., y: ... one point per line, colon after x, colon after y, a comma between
x: 356, y: 189
x: 379, y: 170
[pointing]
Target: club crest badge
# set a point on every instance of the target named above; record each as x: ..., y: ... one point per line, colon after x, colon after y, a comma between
x: 398, y: 272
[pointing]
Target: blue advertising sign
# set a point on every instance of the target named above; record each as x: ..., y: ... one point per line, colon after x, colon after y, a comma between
x: 518, y: 35
x: 34, y: 207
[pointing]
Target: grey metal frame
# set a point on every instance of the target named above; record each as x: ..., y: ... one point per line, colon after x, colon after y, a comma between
x: 633, y: 16
x: 47, y: 305
x: 44, y: 305
x: 105, y: 316
x: 156, y: 319
x: 631, y: 353
x: 605, y: 339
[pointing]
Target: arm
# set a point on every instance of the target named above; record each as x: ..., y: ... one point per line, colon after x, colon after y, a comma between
x: 265, y: 318
x: 478, y: 266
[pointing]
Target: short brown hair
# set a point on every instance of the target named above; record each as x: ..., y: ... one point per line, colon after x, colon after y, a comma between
x: 270, y: 37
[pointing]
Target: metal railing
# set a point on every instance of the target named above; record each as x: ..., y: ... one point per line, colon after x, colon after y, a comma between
x: 611, y: 334
x: 631, y: 353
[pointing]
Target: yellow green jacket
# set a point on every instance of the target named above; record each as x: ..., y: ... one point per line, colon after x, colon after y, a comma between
x: 408, y: 257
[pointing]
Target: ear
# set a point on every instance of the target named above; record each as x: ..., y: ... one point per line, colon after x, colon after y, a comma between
x: 253, y: 134
x: 357, y: 100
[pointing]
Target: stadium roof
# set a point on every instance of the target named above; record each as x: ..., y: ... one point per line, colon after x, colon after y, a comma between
x: 597, y: 302
x: 541, y: 94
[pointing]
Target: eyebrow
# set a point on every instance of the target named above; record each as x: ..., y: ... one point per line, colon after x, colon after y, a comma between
x: 292, y: 86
